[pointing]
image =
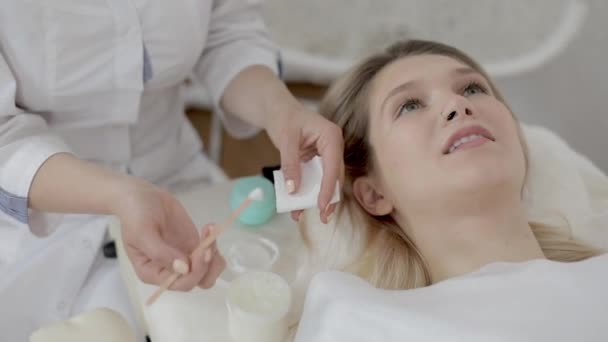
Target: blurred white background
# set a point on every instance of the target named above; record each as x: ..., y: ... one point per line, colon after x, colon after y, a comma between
x: 547, y: 56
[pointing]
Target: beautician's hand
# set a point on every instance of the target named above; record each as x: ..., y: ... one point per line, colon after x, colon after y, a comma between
x: 259, y: 97
x: 156, y: 231
x: 301, y: 134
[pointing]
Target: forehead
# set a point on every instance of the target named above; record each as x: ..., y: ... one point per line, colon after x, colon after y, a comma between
x: 413, y: 68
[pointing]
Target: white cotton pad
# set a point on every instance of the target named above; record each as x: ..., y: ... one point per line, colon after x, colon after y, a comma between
x: 307, y: 195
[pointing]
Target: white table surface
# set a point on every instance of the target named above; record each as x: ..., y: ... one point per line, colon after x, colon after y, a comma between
x: 201, y: 315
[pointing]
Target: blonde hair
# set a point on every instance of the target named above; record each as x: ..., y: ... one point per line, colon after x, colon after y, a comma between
x: 390, y: 259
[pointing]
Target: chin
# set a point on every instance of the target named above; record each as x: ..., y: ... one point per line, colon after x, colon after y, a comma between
x: 484, y: 173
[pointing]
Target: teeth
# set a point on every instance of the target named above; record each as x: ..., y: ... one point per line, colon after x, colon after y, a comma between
x: 462, y: 141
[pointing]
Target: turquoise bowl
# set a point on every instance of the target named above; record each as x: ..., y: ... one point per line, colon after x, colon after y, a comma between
x: 258, y: 212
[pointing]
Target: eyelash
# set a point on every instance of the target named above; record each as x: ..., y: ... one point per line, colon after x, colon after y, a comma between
x: 417, y: 101
x: 408, y: 102
x: 475, y: 84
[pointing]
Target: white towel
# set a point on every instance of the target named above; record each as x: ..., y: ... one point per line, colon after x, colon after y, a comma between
x: 536, y: 301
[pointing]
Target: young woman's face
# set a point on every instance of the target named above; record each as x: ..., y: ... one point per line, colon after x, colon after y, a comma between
x: 436, y: 130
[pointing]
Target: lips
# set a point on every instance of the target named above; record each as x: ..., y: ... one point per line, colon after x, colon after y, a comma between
x: 464, y: 135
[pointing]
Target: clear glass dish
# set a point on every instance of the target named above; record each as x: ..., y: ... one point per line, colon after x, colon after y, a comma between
x: 247, y: 253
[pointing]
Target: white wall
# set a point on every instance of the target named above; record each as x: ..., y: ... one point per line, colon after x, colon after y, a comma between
x: 321, y: 38
x: 570, y: 94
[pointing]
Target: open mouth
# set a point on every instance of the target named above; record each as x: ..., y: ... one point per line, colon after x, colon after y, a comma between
x: 467, y: 137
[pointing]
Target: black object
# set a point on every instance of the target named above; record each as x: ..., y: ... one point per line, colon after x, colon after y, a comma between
x: 109, y: 250
x: 148, y: 339
x: 267, y: 172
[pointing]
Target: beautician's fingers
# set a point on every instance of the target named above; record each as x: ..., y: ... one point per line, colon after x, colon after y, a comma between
x: 290, y: 158
x: 160, y: 251
x: 150, y: 255
x: 330, y: 212
x: 215, y: 269
x: 199, y: 270
x: 205, y: 232
x: 145, y: 269
x: 295, y: 215
x: 307, y: 154
x: 331, y: 149
x: 148, y: 271
x: 199, y: 266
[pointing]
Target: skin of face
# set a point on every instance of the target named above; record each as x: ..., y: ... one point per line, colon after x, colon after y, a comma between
x: 416, y: 104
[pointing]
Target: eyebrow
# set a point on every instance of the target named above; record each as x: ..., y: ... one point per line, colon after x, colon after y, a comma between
x: 398, y: 89
x: 465, y: 71
x: 411, y: 84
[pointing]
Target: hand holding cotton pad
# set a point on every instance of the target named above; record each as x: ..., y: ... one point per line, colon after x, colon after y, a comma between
x: 307, y: 195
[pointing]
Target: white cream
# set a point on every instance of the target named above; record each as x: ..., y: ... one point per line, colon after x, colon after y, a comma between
x: 257, y: 194
x: 258, y: 303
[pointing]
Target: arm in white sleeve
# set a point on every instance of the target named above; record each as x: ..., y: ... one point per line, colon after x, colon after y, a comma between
x: 37, y: 177
x: 237, y: 39
x: 25, y: 144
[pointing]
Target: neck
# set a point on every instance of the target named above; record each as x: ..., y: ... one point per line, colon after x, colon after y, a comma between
x: 464, y: 238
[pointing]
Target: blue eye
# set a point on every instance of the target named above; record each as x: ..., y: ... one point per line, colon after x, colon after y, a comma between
x: 473, y: 88
x: 410, y: 106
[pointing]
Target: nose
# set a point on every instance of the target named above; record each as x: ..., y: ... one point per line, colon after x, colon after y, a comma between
x: 456, y: 109
x: 453, y: 114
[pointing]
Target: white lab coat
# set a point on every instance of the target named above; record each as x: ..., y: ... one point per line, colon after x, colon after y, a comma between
x: 103, y: 80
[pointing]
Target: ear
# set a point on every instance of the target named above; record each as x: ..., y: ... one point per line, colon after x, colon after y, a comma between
x: 371, y: 198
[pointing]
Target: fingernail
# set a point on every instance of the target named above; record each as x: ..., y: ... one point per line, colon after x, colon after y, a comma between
x: 180, y: 266
x: 290, y: 185
x: 208, y: 255
x: 329, y: 214
x: 207, y: 231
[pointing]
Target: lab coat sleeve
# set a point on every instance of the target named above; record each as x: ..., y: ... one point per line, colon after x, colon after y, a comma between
x: 237, y: 39
x: 25, y: 144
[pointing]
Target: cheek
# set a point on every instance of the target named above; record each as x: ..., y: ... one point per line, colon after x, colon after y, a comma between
x: 502, y: 121
x: 401, y: 147
x: 521, y: 153
x: 512, y: 136
x: 402, y: 160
